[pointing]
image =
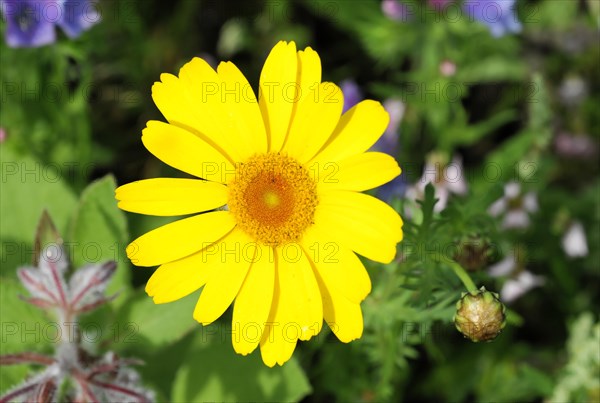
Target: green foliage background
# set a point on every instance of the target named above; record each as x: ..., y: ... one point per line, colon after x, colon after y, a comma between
x: 73, y: 129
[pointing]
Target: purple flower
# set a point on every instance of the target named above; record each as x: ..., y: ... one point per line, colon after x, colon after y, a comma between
x: 31, y: 23
x: 352, y: 94
x: 580, y: 146
x: 78, y: 16
x: 498, y: 15
x: 395, y: 10
x: 388, y: 143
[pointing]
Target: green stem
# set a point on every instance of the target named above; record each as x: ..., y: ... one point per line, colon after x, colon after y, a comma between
x: 463, y: 276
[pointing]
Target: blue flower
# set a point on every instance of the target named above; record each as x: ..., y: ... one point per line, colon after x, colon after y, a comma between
x: 352, y: 94
x: 31, y: 23
x: 388, y: 143
x: 499, y: 15
x: 78, y: 16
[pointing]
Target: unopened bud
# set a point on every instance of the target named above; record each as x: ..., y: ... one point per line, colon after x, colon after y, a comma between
x: 480, y: 316
x: 472, y: 252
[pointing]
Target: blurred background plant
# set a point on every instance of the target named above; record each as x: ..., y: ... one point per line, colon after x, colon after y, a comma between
x: 73, y: 372
x: 494, y: 104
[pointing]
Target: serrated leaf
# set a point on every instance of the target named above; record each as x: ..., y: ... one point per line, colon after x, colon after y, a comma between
x: 427, y: 206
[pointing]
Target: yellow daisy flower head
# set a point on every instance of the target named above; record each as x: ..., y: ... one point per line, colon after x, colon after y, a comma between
x: 278, y: 214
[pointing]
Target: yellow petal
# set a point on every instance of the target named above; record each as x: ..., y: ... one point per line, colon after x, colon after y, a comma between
x: 171, y: 97
x: 277, y: 92
x: 236, y: 253
x: 302, y: 291
x: 243, y: 120
x: 275, y: 346
x: 200, y: 85
x: 360, y: 222
x: 253, y: 303
x: 358, y: 129
x: 194, y: 102
x: 359, y: 172
x: 175, y: 280
x: 343, y: 316
x: 297, y: 311
x: 185, y: 151
x: 179, y: 239
x: 316, y: 116
x: 309, y: 70
x: 339, y: 267
x: 170, y: 197
x: 308, y: 78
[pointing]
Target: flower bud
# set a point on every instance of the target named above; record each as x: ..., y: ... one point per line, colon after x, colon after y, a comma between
x: 480, y: 316
x: 473, y: 252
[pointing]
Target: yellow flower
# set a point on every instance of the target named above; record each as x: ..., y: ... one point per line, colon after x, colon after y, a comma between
x: 289, y: 171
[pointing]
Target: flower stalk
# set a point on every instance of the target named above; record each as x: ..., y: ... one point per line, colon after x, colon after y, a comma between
x: 463, y: 276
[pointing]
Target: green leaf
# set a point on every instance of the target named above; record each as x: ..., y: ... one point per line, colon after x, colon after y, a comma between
x: 24, y: 328
x: 505, y: 156
x: 492, y: 69
x: 98, y: 232
x: 427, y: 205
x: 23, y: 324
x: 29, y: 187
x: 212, y: 371
x: 149, y: 325
x: 461, y: 135
x: 556, y: 15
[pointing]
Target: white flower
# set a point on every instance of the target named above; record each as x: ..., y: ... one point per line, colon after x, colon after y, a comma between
x: 445, y: 178
x: 515, y: 206
x: 520, y: 282
x: 520, y: 285
x: 574, y: 242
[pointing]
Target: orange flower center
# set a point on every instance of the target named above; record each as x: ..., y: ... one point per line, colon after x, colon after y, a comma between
x: 273, y: 198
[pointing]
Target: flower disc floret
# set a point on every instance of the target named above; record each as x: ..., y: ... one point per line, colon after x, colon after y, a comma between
x: 273, y: 198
